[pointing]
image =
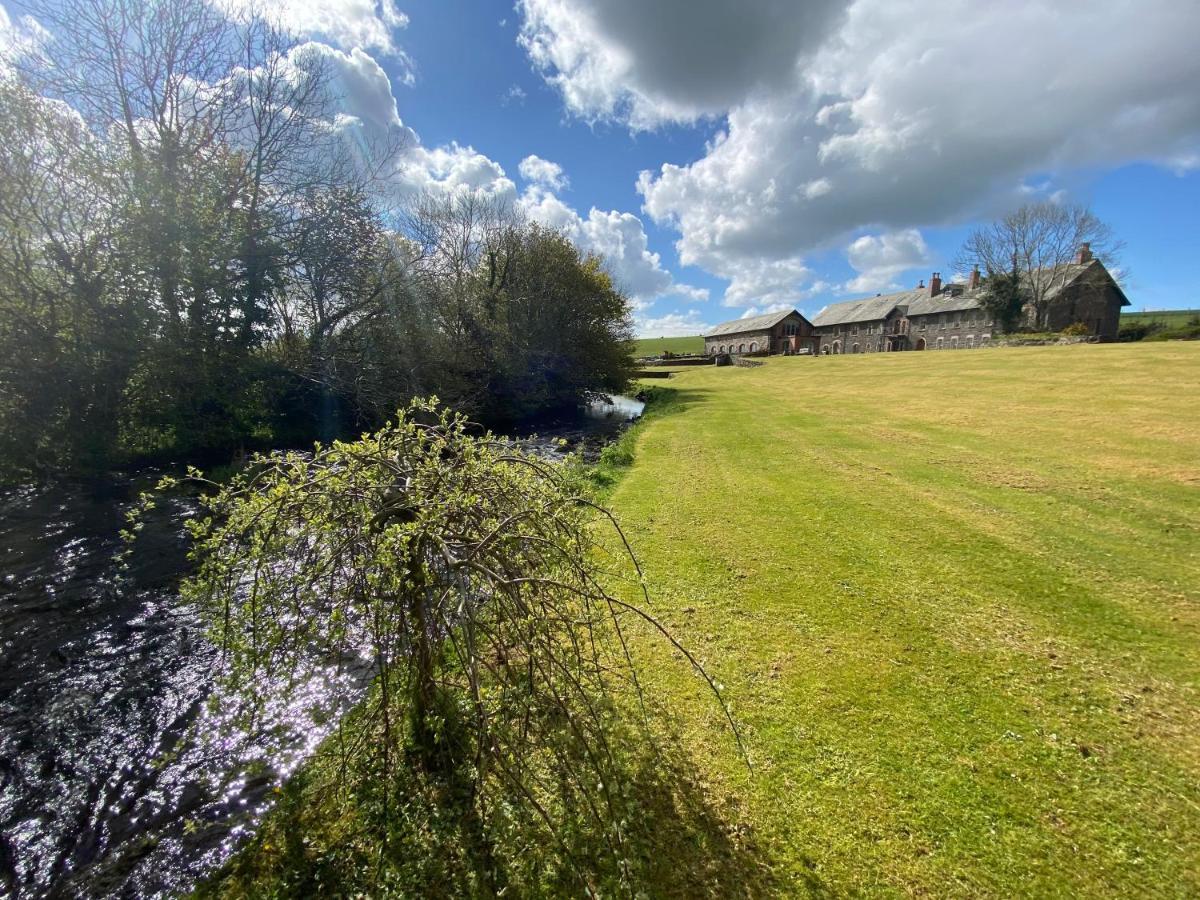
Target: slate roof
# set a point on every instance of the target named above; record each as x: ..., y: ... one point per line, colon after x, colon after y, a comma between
x: 872, y: 309
x: 943, y: 303
x: 753, y: 323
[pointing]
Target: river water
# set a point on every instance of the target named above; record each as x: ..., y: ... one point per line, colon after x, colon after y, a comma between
x: 118, y: 775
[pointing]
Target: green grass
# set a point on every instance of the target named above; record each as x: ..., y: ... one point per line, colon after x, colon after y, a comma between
x: 1171, y: 318
x: 954, y: 600
x: 655, y: 346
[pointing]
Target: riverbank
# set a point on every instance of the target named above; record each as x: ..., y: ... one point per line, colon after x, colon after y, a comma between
x: 104, y: 671
x: 953, y: 599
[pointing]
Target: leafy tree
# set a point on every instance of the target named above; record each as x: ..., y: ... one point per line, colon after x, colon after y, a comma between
x: 464, y: 574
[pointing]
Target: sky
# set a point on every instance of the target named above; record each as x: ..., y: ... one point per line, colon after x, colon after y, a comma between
x: 730, y: 158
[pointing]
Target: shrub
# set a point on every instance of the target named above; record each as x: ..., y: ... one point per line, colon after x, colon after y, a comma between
x: 465, y: 574
x: 1076, y: 329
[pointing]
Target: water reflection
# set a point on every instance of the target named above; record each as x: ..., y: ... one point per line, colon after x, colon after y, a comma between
x: 103, y: 675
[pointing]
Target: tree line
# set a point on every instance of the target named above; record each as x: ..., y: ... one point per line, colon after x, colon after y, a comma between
x: 195, y: 260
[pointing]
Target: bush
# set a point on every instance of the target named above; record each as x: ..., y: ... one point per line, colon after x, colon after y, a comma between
x: 1137, y: 331
x: 1076, y: 329
x: 1188, y: 332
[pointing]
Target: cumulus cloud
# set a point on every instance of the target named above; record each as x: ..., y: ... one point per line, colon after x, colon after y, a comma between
x: 668, y: 60
x: 347, y: 24
x: 620, y: 238
x: 875, y: 115
x: 880, y: 258
x: 542, y: 172
x: 360, y: 89
x: 366, y: 106
x: 671, y: 325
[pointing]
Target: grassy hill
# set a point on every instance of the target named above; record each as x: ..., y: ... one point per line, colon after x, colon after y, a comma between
x: 954, y: 600
x: 655, y: 346
x: 1171, y: 318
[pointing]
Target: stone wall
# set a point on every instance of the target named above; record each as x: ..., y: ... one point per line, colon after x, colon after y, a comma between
x: 1097, y: 305
x: 730, y: 343
x: 963, y: 330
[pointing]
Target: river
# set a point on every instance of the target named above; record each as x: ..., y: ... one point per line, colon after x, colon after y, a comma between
x: 118, y: 778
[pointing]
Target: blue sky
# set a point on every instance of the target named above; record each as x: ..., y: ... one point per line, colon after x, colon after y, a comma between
x: 475, y: 84
x: 734, y: 157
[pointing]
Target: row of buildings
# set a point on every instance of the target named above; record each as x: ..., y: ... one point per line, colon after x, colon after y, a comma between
x: 940, y: 316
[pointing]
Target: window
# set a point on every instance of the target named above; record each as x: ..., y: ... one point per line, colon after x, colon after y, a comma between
x: 954, y: 343
x: 854, y: 349
x: 741, y: 348
x: 754, y: 346
x: 942, y: 323
x: 854, y: 329
x: 970, y: 342
x: 879, y: 347
x: 722, y: 348
x: 939, y: 346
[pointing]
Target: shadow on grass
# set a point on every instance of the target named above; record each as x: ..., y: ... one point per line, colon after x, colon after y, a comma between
x: 677, y: 840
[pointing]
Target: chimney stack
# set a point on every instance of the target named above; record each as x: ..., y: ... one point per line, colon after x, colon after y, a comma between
x: 1084, y: 255
x: 935, y: 284
x: 974, y: 282
x: 920, y: 284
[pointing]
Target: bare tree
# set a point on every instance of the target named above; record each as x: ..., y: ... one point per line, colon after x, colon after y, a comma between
x: 1039, y: 242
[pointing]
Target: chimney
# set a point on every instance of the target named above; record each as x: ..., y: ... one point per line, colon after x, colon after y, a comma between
x: 1084, y: 255
x: 921, y: 284
x: 935, y: 284
x: 974, y: 282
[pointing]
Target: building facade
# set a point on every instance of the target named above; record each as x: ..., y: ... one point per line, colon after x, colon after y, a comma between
x: 950, y: 316
x: 781, y: 332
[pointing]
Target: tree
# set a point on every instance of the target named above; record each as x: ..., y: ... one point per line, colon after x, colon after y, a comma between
x: 1005, y: 296
x: 465, y: 574
x: 1039, y: 241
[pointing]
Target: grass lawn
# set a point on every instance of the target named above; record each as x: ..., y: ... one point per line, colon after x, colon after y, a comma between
x: 655, y: 346
x: 954, y: 599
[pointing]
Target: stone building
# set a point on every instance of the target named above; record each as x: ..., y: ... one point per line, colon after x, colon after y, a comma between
x: 779, y: 332
x: 949, y: 316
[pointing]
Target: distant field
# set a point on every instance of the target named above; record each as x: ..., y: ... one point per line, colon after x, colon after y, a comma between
x: 655, y: 346
x: 1169, y: 317
x: 954, y: 599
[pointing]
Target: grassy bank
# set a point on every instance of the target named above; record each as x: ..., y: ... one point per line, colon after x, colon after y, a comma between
x: 954, y: 601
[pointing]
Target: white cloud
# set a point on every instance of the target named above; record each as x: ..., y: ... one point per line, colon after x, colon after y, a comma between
x: 18, y: 38
x: 875, y: 115
x: 752, y: 311
x: 543, y: 172
x: 453, y: 169
x: 880, y: 258
x: 366, y: 102
x: 359, y: 87
x: 617, y: 236
x: 348, y: 24
x: 671, y: 325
